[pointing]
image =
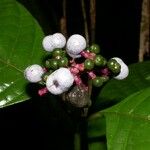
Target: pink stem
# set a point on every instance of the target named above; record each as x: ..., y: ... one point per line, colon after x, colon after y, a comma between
x: 105, y: 72
x: 42, y: 91
x: 91, y: 75
x: 80, y: 66
x: 74, y: 70
x: 87, y: 54
x: 77, y: 80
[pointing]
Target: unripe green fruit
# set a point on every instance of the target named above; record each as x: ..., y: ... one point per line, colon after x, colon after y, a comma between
x: 54, y: 64
x: 57, y: 52
x: 114, y: 66
x: 97, y: 82
x: 51, y: 63
x: 94, y: 48
x: 100, y: 60
x: 88, y: 64
x: 63, y: 62
x: 48, y: 63
x: 104, y: 78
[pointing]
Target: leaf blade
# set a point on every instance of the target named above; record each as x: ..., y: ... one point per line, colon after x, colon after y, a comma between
x: 20, y: 46
x: 115, y: 90
x: 128, y: 123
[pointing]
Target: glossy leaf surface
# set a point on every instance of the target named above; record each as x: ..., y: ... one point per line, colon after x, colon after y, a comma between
x: 116, y: 90
x: 20, y: 46
x: 128, y: 123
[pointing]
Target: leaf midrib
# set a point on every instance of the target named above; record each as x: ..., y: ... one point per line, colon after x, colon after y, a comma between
x: 10, y: 65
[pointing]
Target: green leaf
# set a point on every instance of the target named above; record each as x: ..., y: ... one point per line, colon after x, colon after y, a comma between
x: 20, y: 46
x: 116, y: 90
x: 128, y: 123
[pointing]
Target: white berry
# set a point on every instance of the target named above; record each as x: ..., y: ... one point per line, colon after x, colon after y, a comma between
x: 48, y: 44
x: 124, y: 69
x: 34, y: 73
x: 59, y: 81
x: 59, y: 40
x: 75, y: 44
x: 74, y: 56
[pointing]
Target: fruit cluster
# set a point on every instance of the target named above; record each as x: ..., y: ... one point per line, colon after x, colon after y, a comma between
x: 72, y: 63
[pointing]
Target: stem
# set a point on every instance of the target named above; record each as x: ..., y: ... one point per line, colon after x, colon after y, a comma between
x: 63, y: 20
x: 93, y: 19
x: 90, y: 87
x: 77, y: 141
x: 85, y: 21
x: 144, y: 30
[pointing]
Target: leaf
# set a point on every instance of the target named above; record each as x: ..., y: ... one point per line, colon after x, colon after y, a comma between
x: 128, y: 123
x: 20, y: 46
x: 116, y: 90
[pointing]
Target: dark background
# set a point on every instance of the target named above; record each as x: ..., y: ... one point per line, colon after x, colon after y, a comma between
x: 42, y: 122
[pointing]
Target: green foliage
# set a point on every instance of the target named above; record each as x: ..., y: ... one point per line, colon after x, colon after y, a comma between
x: 116, y: 90
x: 128, y: 123
x: 20, y: 46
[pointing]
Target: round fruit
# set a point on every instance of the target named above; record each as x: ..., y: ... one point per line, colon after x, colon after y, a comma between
x: 57, y: 52
x: 34, y: 73
x: 114, y: 66
x: 124, y: 71
x: 63, y: 62
x: 48, y: 44
x: 95, y: 48
x: 97, y: 82
x: 75, y: 44
x: 99, y: 60
x: 48, y: 63
x: 54, y: 64
x: 59, y: 40
x: 104, y: 78
x: 88, y: 64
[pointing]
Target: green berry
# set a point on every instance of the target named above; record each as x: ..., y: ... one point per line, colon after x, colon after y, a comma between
x: 54, y: 64
x: 100, y: 60
x: 114, y: 66
x: 63, y: 62
x: 97, y: 82
x: 57, y: 52
x: 89, y: 64
x: 48, y: 63
x: 51, y: 63
x: 104, y: 78
x: 95, y: 48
